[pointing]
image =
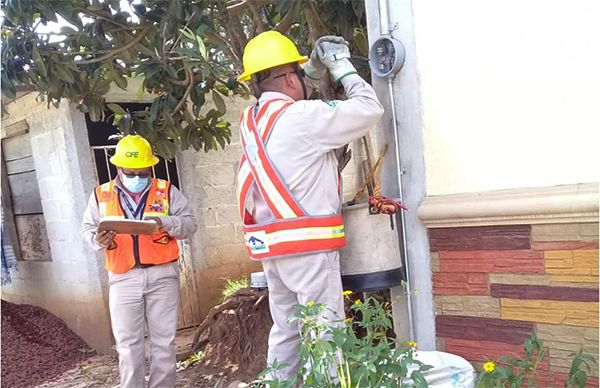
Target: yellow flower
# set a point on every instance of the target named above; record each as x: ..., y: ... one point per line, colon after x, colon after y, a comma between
x: 489, y: 366
x: 311, y: 303
x: 347, y: 293
x: 412, y: 344
x: 357, y: 302
x: 348, y: 321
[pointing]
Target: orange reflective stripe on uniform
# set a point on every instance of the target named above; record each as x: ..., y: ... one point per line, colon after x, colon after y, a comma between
x: 293, y: 231
x: 280, y: 201
x: 244, y: 170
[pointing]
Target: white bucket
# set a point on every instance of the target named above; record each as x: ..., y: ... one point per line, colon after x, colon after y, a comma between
x: 371, y: 259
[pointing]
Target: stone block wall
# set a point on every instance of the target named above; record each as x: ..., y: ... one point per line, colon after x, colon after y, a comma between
x: 69, y: 284
x: 494, y: 285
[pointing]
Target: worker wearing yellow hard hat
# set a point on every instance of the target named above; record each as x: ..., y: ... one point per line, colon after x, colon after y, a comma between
x: 288, y: 181
x: 268, y: 50
x: 271, y: 49
x: 142, y: 265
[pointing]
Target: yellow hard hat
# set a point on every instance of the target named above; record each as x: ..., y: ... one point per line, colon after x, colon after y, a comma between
x: 267, y: 50
x: 133, y: 151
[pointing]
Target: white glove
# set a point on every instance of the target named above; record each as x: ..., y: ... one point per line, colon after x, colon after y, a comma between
x: 314, y: 68
x: 335, y: 57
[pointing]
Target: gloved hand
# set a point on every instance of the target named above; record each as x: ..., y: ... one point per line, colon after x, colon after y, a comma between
x: 314, y: 68
x: 335, y: 57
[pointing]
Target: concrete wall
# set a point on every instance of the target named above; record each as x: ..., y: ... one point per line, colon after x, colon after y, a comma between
x: 510, y: 93
x: 70, y: 285
x: 406, y: 89
x: 209, y: 183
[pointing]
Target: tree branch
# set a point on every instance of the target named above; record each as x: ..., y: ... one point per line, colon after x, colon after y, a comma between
x: 99, y: 16
x: 111, y: 54
x: 257, y: 25
x: 211, y: 37
x: 234, y: 9
x: 316, y: 17
x: 232, y: 24
x: 289, y: 18
x: 179, y: 82
x: 190, y: 77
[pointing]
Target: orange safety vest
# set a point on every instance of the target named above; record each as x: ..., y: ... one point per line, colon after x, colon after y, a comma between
x: 292, y: 231
x: 126, y: 250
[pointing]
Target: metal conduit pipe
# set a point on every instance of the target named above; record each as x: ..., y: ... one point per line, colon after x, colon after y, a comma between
x: 386, y: 30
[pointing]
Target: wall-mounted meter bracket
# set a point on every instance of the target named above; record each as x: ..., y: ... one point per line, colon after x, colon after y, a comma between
x: 386, y: 56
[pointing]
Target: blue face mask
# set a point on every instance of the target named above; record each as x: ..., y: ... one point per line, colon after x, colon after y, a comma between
x: 135, y: 184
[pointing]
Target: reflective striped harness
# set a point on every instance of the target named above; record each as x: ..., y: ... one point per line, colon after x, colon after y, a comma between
x: 292, y: 231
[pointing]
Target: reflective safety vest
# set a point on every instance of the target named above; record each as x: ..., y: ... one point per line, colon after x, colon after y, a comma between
x: 292, y: 231
x: 126, y: 249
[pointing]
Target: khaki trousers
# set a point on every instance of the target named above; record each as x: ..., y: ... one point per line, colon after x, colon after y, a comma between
x: 140, y: 299
x: 299, y: 280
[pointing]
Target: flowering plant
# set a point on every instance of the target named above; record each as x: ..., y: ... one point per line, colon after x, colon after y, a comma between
x: 517, y: 373
x: 332, y: 354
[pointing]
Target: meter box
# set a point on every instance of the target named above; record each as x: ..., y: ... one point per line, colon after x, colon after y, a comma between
x: 386, y: 56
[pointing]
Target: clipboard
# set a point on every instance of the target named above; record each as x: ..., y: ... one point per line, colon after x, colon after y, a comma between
x: 122, y: 226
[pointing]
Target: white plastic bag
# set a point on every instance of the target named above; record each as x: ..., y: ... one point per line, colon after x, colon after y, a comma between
x: 449, y: 370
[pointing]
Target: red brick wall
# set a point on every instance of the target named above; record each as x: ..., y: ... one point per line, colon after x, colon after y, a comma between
x: 494, y: 285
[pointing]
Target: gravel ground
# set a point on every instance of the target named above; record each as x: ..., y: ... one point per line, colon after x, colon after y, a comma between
x: 36, y: 346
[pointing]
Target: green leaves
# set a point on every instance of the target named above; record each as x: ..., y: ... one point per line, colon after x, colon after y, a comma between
x: 219, y: 103
x: 371, y: 360
x: 186, y: 51
x: 163, y: 44
x: 518, y: 372
x: 196, y: 40
x: 581, y: 366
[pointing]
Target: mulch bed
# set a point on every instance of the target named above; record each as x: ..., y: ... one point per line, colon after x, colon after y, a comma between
x: 36, y: 346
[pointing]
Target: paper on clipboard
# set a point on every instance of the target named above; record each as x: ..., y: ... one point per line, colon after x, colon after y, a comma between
x: 123, y: 226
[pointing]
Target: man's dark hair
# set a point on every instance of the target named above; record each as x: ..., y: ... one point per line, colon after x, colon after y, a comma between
x: 262, y: 75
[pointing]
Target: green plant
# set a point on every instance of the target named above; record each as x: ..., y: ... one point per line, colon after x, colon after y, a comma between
x: 231, y: 286
x: 191, y: 360
x: 332, y: 355
x: 517, y: 372
x: 580, y: 367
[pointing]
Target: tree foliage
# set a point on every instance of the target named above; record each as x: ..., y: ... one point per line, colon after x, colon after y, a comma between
x: 186, y: 51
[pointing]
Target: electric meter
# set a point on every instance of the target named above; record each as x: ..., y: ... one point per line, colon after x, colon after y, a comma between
x: 386, y: 56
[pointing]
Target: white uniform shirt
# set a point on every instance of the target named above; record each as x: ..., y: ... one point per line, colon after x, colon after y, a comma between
x: 302, y: 142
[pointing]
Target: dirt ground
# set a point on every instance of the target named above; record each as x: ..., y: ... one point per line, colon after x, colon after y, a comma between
x: 102, y: 371
x: 39, y: 350
x: 233, y: 338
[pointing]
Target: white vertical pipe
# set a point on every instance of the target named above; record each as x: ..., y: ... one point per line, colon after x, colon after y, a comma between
x: 384, y: 18
x: 386, y: 29
x: 402, y: 228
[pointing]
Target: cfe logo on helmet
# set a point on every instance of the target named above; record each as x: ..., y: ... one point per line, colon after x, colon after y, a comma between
x: 132, y: 154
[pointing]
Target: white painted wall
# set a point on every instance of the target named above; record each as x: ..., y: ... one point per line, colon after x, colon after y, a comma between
x: 510, y: 92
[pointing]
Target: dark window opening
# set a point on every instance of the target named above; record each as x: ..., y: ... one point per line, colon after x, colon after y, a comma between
x: 103, y: 148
